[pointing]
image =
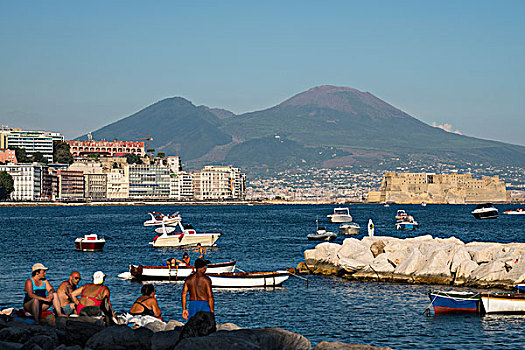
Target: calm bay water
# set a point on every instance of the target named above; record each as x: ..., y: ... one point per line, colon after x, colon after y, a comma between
x: 264, y: 238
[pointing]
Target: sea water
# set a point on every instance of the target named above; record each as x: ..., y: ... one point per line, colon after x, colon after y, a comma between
x: 264, y: 238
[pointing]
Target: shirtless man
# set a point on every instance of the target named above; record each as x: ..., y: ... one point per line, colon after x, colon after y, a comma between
x: 201, y: 295
x: 67, y: 293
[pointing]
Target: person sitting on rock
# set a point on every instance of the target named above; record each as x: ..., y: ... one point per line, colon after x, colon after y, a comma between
x: 94, y: 300
x: 67, y: 293
x: 146, y: 304
x: 39, y: 293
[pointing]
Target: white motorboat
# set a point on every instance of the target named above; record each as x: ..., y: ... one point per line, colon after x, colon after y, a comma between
x: 485, y: 211
x: 160, y: 273
x: 518, y: 211
x: 179, y: 235
x: 401, y: 215
x: 407, y: 223
x: 247, y: 279
x: 322, y: 235
x: 157, y: 219
x: 90, y: 243
x: 503, y: 303
x: 351, y: 228
x: 340, y: 215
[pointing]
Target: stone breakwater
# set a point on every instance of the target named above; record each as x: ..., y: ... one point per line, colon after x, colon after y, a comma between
x: 422, y: 259
x: 89, y: 333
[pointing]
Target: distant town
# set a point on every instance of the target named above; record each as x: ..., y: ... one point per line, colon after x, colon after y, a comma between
x: 43, y: 166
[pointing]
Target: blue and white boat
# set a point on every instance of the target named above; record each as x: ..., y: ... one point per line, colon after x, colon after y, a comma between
x: 407, y: 224
x: 455, y: 302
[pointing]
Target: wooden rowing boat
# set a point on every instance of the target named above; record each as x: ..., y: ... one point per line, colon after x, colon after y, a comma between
x: 165, y: 273
x: 248, y: 279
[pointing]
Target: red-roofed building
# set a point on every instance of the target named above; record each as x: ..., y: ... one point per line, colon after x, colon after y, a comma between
x: 7, y: 156
x: 113, y: 148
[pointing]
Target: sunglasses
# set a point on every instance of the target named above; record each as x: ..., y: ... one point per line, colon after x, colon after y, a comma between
x: 77, y: 278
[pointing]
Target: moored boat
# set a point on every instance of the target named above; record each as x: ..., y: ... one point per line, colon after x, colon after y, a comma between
x: 340, y: 215
x: 181, y: 235
x: 455, y: 302
x: 503, y: 303
x: 247, y: 279
x: 401, y: 215
x: 351, y: 228
x: 165, y: 273
x: 158, y: 219
x: 322, y: 235
x: 90, y: 243
x: 518, y: 211
x: 485, y: 211
x: 407, y: 224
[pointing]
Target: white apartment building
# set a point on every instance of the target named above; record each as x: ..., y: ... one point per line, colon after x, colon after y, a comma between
x: 118, y: 184
x: 32, y: 141
x: 219, y: 183
x: 27, y: 181
x: 181, y: 186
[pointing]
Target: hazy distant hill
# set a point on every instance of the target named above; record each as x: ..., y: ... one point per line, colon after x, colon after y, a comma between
x: 325, y: 126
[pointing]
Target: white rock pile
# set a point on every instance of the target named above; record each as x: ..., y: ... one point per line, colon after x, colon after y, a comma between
x: 422, y: 259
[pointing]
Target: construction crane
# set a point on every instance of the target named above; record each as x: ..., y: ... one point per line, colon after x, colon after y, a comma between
x: 147, y: 142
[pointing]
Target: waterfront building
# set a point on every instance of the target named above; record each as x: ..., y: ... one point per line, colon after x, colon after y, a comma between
x: 95, y: 186
x: 49, y: 183
x: 149, y: 181
x: 31, y: 141
x: 173, y: 162
x: 181, y: 186
x: 113, y: 148
x: 70, y: 185
x: 118, y: 184
x: 8, y: 156
x: 219, y: 183
x: 453, y: 188
x: 27, y: 181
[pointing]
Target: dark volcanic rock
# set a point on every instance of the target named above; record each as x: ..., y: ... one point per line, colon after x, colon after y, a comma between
x: 336, y: 345
x: 267, y: 338
x: 115, y: 338
x: 22, y: 333
x: 45, y: 342
x: 78, y: 332
x: 202, y: 324
x: 164, y: 340
x: 4, y: 345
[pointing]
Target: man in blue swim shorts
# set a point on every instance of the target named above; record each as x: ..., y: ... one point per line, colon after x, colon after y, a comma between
x: 199, y: 287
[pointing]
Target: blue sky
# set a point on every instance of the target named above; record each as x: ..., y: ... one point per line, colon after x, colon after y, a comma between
x: 74, y: 66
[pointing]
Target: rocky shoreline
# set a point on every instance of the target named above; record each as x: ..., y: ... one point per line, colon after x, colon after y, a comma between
x: 90, y: 333
x: 420, y: 260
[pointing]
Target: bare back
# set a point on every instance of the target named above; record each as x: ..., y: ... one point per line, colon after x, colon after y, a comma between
x: 199, y: 286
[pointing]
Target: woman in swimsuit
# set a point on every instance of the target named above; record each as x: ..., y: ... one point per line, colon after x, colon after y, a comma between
x: 146, y: 304
x: 94, y: 300
x: 39, y: 293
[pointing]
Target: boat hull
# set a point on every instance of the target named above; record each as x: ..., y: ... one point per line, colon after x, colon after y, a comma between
x: 325, y: 238
x: 340, y: 219
x: 455, y: 302
x: 186, y: 240
x: 248, y: 279
x: 349, y: 230
x: 90, y: 243
x: 503, y: 303
x: 486, y: 215
x: 406, y: 226
x: 164, y: 273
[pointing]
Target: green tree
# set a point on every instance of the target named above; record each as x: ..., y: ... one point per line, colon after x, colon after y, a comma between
x: 21, y: 155
x: 7, y: 185
x: 62, y: 153
x: 161, y: 155
x: 39, y: 158
x: 132, y: 158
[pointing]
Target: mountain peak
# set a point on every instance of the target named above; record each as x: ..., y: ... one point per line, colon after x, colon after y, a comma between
x: 334, y: 97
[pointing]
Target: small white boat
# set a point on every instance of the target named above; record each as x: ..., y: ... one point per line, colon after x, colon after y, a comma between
x: 158, y: 219
x: 518, y: 211
x: 165, y: 273
x: 423, y: 204
x: 322, y: 235
x: 401, y: 215
x: 503, y: 303
x: 351, y: 228
x: 485, y: 211
x: 181, y: 235
x: 340, y: 215
x: 408, y: 223
x: 90, y: 243
x: 247, y: 279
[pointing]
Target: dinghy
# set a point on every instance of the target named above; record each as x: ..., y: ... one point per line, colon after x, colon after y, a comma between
x: 247, y: 279
x: 165, y: 273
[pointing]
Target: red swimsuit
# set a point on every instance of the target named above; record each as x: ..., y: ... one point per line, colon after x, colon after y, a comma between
x: 97, y: 302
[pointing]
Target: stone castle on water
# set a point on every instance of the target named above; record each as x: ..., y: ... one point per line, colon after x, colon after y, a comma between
x: 454, y: 188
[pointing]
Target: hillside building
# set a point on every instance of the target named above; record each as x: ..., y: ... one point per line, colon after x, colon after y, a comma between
x: 454, y: 188
x: 31, y: 141
x: 113, y: 148
x: 149, y: 181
